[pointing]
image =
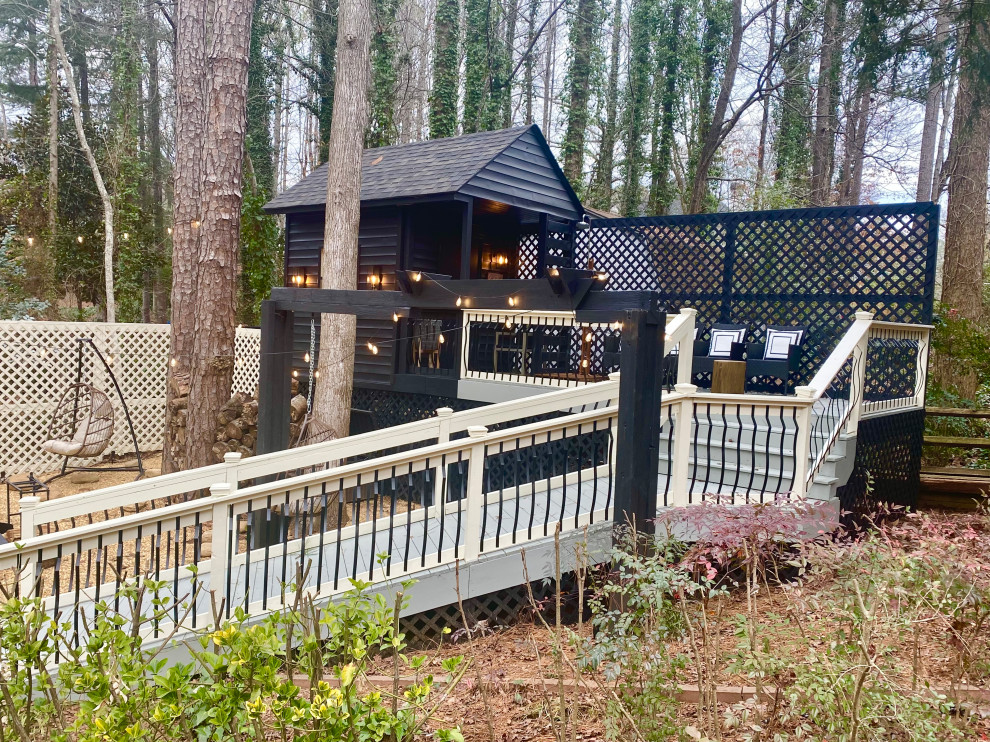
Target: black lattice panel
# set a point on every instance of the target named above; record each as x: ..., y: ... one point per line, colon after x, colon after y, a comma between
x: 891, y: 370
x: 888, y: 461
x: 390, y: 408
x: 812, y: 267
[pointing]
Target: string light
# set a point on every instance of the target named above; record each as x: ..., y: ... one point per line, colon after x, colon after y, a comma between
x: 587, y: 338
x: 395, y: 316
x: 79, y: 239
x: 508, y: 323
x: 169, y: 230
x: 417, y: 276
x: 316, y: 374
x: 617, y: 326
x: 602, y: 276
x: 584, y: 363
x: 373, y: 348
x: 306, y: 357
x: 30, y: 241
x: 459, y: 301
x: 512, y: 301
x: 195, y: 223
x: 441, y: 339
x: 172, y: 362
x: 126, y: 236
x: 295, y: 374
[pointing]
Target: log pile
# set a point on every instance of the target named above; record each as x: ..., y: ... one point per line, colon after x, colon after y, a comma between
x: 237, y: 427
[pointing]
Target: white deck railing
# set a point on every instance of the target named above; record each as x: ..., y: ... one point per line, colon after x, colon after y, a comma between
x: 446, y: 496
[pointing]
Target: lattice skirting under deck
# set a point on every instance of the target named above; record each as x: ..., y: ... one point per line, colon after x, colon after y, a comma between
x: 888, y: 451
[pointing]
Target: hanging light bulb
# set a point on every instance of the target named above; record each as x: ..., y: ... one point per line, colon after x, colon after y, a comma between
x: 508, y: 323
x: 30, y: 241
x: 172, y: 362
x: 602, y: 277
x: 587, y: 338
x: 417, y: 276
x: 512, y: 301
x: 126, y: 236
x: 584, y: 363
x: 295, y: 374
x: 395, y: 316
x: 169, y: 230
x: 79, y: 239
x: 459, y: 301
x: 316, y: 374
x: 617, y: 325
x: 373, y: 348
x: 441, y: 338
x: 195, y: 223
x: 306, y: 358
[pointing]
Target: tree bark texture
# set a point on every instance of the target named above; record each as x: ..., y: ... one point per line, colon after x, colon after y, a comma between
x: 332, y: 404
x: 53, y: 112
x: 823, y: 137
x: 933, y: 101
x: 217, y: 275
x: 159, y: 291
x: 190, y: 134
x: 600, y: 192
x: 583, y: 32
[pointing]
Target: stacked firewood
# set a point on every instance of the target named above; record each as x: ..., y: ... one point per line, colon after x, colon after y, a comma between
x: 237, y: 426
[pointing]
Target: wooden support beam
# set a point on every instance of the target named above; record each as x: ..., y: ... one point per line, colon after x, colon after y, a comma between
x: 274, y: 377
x: 638, y: 439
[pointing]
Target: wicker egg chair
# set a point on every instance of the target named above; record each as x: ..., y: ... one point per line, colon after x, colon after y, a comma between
x: 82, y: 425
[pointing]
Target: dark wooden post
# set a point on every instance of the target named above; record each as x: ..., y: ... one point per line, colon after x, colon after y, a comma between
x: 541, y: 246
x: 638, y: 441
x: 274, y: 377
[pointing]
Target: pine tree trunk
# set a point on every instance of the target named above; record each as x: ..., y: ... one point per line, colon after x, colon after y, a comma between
x: 159, y: 290
x: 511, y: 18
x: 933, y: 100
x: 583, y: 27
x: 528, y: 91
x: 332, y: 402
x: 53, y: 112
x: 77, y: 117
x: 966, y: 214
x: 190, y: 135
x: 217, y: 275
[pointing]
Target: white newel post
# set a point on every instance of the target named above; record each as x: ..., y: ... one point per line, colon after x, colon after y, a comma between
x: 475, y: 499
x: 27, y: 576
x: 685, y: 353
x: 220, y: 495
x: 680, y: 463
x: 443, y: 436
x: 802, y: 439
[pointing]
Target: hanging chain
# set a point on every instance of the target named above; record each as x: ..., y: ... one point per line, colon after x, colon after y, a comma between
x: 312, y: 354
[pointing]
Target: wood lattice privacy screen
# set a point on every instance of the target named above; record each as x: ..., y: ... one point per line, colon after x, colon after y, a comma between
x: 811, y: 267
x: 38, y: 361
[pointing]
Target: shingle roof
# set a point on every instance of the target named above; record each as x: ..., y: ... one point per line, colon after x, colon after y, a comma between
x: 425, y: 168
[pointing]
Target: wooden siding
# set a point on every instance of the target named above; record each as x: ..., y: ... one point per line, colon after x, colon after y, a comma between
x: 378, y: 247
x: 523, y: 175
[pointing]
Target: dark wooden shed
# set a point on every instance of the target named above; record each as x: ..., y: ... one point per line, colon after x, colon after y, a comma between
x: 492, y: 205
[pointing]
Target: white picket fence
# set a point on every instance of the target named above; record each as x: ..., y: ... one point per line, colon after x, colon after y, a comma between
x: 39, y: 361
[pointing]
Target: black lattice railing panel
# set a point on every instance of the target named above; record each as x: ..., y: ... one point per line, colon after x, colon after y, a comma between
x: 390, y: 408
x: 811, y: 267
x: 888, y: 461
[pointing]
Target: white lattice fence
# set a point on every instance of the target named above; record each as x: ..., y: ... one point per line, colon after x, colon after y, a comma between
x: 40, y: 360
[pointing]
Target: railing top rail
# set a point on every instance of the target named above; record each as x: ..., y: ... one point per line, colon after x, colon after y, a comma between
x: 877, y: 324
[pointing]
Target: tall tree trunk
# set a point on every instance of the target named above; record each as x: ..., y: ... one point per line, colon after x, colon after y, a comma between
x: 325, y: 27
x: 190, y: 133
x: 823, y: 138
x: 857, y: 119
x: 761, y: 152
x: 511, y: 18
x: 584, y: 26
x: 77, y: 117
x: 53, y: 115
x: 637, y: 103
x: 217, y: 274
x: 715, y: 133
x: 339, y: 263
x: 661, y: 193
x: 548, y: 72
x: 528, y: 91
x: 969, y: 158
x: 933, y: 101
x: 446, y: 69
x: 159, y: 290
x: 381, y: 130
x: 600, y: 192
x: 477, y: 63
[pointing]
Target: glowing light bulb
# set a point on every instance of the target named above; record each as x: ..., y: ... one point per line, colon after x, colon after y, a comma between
x: 79, y: 239
x: 172, y: 363
x: 126, y: 236
x: 508, y: 323
x: 395, y: 316
x: 441, y: 338
x: 587, y: 338
x: 459, y: 301
x: 417, y: 276
x: 306, y: 358
x: 30, y: 241
x: 554, y: 272
x: 603, y: 276
x: 316, y: 374
x: 195, y: 223
x: 295, y: 374
x: 512, y: 301
x: 169, y: 230
x: 584, y: 363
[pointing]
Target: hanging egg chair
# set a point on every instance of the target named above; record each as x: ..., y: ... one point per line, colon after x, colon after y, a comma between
x: 82, y: 425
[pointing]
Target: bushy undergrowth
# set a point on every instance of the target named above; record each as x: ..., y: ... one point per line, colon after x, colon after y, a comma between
x: 852, y: 668
x: 241, y: 683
